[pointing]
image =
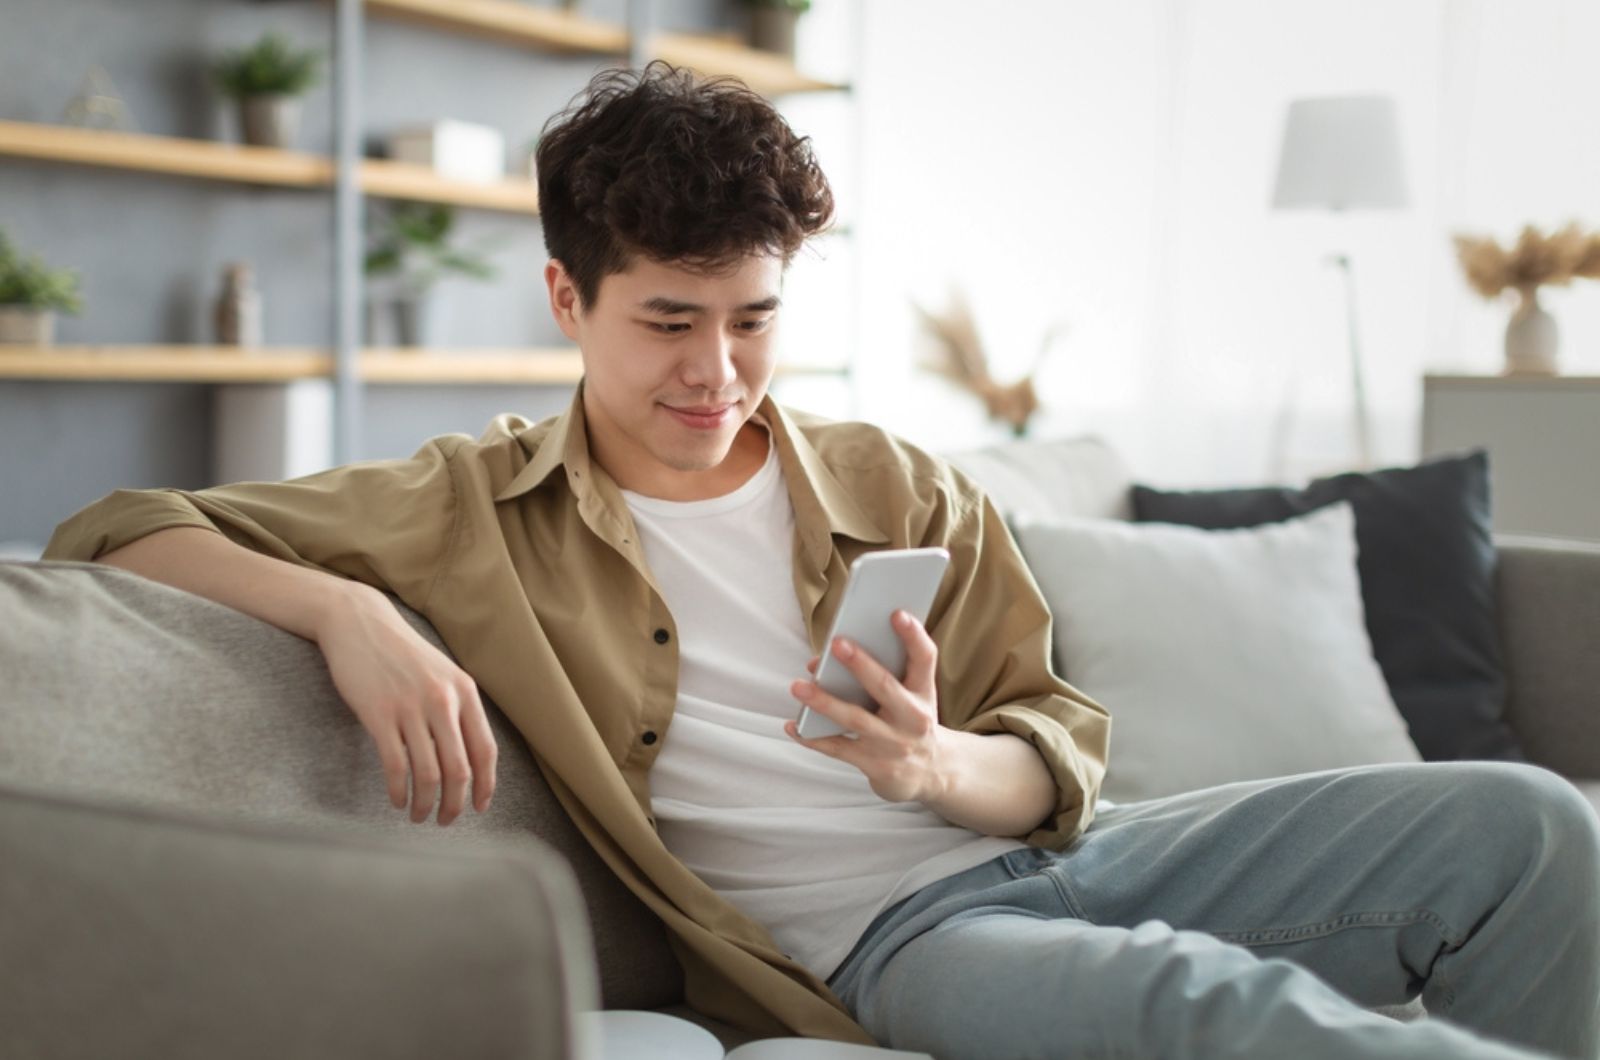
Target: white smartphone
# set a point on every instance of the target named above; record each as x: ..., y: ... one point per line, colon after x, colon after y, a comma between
x: 881, y: 583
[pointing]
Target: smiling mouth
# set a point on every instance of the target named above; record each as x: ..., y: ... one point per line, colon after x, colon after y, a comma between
x: 705, y: 410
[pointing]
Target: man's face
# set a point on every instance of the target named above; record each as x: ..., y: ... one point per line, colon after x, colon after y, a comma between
x: 675, y: 363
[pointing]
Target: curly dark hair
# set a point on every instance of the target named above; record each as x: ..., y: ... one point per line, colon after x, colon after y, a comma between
x: 661, y: 163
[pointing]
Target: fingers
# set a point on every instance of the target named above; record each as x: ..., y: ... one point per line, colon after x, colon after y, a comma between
x: 841, y: 747
x: 481, y: 751
x: 424, y: 769
x: 465, y: 755
x: 454, y: 772
x: 392, y: 753
x: 884, y: 688
x: 848, y: 716
x: 922, y: 654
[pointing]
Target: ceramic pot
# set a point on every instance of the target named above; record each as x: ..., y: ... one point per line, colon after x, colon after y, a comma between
x: 772, y: 29
x: 270, y: 120
x: 1531, y: 337
x: 22, y: 325
x: 412, y: 319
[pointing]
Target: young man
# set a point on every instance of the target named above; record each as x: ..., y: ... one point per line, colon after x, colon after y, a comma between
x: 639, y: 583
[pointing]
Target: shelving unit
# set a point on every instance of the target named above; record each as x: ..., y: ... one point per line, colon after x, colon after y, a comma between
x: 349, y: 176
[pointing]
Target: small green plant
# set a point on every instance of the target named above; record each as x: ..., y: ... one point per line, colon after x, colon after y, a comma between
x: 414, y: 244
x: 272, y: 66
x: 32, y: 284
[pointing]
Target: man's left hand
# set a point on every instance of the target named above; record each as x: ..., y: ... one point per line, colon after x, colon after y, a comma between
x: 900, y: 748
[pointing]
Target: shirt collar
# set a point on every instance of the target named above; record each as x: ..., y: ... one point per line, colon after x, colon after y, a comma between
x: 565, y: 443
x: 822, y: 505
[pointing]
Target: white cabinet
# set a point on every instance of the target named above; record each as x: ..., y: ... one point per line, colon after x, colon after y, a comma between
x: 1543, y: 438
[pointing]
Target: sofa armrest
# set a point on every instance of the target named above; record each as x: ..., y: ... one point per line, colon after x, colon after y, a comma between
x: 1548, y: 593
x: 141, y: 932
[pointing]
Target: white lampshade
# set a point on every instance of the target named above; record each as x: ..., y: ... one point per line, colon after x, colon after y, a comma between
x: 1339, y: 153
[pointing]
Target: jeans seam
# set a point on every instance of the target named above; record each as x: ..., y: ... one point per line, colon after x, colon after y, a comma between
x: 1069, y: 897
x: 1278, y: 936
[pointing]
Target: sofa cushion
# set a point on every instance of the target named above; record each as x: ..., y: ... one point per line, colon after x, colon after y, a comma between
x: 1427, y: 565
x: 119, y: 686
x: 1050, y: 479
x: 1222, y: 655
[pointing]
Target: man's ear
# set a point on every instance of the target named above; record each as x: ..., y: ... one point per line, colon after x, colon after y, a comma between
x: 565, y: 305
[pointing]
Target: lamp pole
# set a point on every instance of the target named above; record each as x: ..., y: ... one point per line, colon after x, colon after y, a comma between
x: 1363, y: 421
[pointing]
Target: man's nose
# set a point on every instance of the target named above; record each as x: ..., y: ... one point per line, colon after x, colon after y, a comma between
x: 710, y: 362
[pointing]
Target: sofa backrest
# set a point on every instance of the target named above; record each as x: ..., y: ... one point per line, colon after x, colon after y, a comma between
x: 118, y: 686
x: 1051, y: 479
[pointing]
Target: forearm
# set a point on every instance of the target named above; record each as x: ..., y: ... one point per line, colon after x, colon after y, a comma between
x: 205, y: 563
x: 997, y: 784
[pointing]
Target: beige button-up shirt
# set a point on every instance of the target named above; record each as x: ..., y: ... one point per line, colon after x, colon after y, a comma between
x: 522, y: 553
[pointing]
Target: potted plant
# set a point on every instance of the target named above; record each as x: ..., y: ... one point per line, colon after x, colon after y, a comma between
x: 772, y: 24
x: 412, y: 246
x: 267, y: 79
x: 30, y: 295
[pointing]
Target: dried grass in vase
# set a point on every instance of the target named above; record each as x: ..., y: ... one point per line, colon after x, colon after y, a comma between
x: 1588, y: 266
x: 1536, y: 260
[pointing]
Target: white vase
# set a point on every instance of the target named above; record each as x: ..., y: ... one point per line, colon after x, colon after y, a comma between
x: 1531, y: 337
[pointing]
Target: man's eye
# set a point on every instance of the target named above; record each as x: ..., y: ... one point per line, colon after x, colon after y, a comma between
x: 674, y: 329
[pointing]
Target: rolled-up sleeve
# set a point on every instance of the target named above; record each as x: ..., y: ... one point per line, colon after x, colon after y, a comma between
x: 992, y: 626
x: 387, y: 523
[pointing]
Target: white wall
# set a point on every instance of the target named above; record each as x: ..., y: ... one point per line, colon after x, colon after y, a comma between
x: 1111, y: 166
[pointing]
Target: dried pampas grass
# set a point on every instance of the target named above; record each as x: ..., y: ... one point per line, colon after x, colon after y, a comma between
x: 1537, y: 260
x: 1588, y: 266
x: 962, y: 360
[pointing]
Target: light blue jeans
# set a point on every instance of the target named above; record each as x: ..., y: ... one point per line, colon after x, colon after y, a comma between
x: 1262, y: 919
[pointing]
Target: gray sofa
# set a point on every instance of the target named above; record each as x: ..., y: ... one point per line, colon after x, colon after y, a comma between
x: 198, y: 857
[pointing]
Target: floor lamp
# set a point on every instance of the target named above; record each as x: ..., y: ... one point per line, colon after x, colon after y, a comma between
x: 1341, y: 153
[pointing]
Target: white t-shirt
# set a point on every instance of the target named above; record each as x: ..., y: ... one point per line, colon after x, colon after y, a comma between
x: 795, y: 839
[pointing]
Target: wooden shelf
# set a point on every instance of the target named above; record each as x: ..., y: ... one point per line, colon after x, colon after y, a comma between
x: 530, y: 366
x: 403, y: 180
x: 551, y: 29
x: 548, y: 29
x: 526, y: 366
x: 766, y: 72
x: 164, y: 154
x: 254, y: 165
x: 185, y: 364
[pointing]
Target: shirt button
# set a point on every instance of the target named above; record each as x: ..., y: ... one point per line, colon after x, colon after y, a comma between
x: 649, y: 738
x: 662, y: 636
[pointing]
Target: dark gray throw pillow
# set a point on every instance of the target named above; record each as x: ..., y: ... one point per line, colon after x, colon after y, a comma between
x: 1427, y: 565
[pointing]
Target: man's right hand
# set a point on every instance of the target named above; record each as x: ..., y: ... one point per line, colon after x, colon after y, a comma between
x: 422, y: 710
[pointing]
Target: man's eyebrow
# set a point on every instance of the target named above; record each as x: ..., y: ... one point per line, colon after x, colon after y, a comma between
x: 664, y: 305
